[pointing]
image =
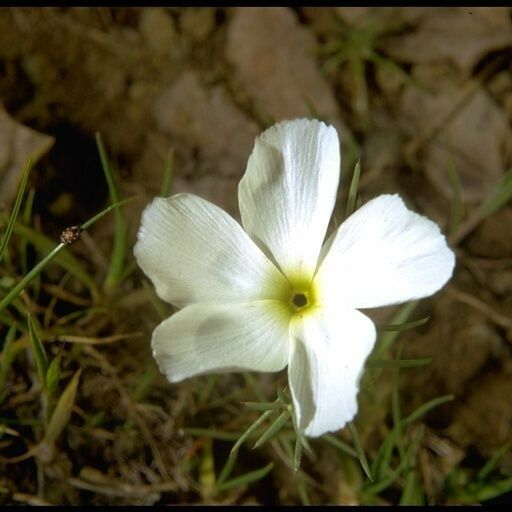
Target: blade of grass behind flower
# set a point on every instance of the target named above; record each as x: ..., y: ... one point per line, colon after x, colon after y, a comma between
x: 248, y: 478
x: 120, y: 242
x: 456, y: 206
x: 352, y: 193
x: 412, y: 493
x: 165, y: 188
x: 40, y: 357
x: 26, y: 217
x: 403, y: 326
x: 274, y: 428
x: 15, y: 210
x: 60, y: 417
x: 359, y: 449
x: 233, y: 455
x: 386, y: 339
x: 491, y: 464
x: 39, y: 267
x: 7, y: 358
x: 501, y: 197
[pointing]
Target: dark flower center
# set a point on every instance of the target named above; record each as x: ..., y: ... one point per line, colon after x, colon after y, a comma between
x: 299, y: 300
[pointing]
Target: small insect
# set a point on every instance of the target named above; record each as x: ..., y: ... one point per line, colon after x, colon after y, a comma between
x: 70, y: 235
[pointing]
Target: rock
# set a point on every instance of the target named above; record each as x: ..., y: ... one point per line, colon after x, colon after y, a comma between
x: 207, y: 121
x: 197, y: 23
x: 477, y: 137
x: 460, y: 35
x: 157, y: 29
x: 279, y: 71
x: 18, y: 144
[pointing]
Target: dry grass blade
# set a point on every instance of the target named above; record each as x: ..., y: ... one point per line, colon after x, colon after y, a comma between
x: 88, y: 340
x: 60, y: 418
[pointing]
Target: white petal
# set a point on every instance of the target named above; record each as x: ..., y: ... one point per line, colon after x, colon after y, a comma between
x: 193, y: 251
x: 288, y: 192
x: 329, y: 348
x: 204, y: 338
x: 384, y: 254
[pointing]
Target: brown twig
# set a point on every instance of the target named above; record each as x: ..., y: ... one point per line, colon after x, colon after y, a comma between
x: 470, y: 300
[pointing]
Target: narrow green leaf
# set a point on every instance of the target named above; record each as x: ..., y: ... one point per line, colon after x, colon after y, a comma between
x: 386, y: 339
x: 233, y: 455
x: 274, y: 428
x: 491, y: 464
x: 412, y: 493
x: 248, y: 478
x: 214, y: 434
x: 457, y: 205
x: 352, y: 193
x: 38, y: 268
x: 39, y: 353
x: 403, y: 326
x: 359, y: 449
x: 65, y: 259
x: 60, y: 418
x: 260, y: 406
x: 494, y: 489
x: 53, y: 375
x: 340, y: 445
x: 398, y: 363
x: 15, y: 210
x: 120, y: 242
x: 501, y: 196
x: 297, y: 454
x: 7, y: 358
x: 26, y: 218
x: 423, y: 409
x: 165, y: 188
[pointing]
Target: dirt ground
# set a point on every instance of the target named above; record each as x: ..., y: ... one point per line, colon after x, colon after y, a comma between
x: 422, y: 95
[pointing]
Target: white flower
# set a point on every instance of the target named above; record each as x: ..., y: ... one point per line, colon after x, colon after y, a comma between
x: 276, y: 294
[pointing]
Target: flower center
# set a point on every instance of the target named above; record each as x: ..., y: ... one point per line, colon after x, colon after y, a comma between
x: 299, y: 300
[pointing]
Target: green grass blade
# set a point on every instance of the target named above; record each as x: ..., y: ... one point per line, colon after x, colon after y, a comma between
x: 44, y: 244
x: 214, y: 434
x: 233, y: 455
x: 359, y: 449
x: 274, y: 428
x: 352, y: 193
x: 386, y: 339
x: 412, y: 493
x: 403, y: 326
x: 426, y: 407
x: 120, y: 242
x: 60, y: 417
x: 494, y: 489
x: 260, y: 406
x: 165, y: 188
x: 7, y: 358
x: 248, y: 478
x: 457, y: 205
x: 39, y: 352
x: 15, y: 210
x: 398, y: 363
x: 39, y: 267
x: 26, y: 217
x: 340, y: 445
x: 491, y: 464
x: 53, y: 375
x: 501, y: 197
